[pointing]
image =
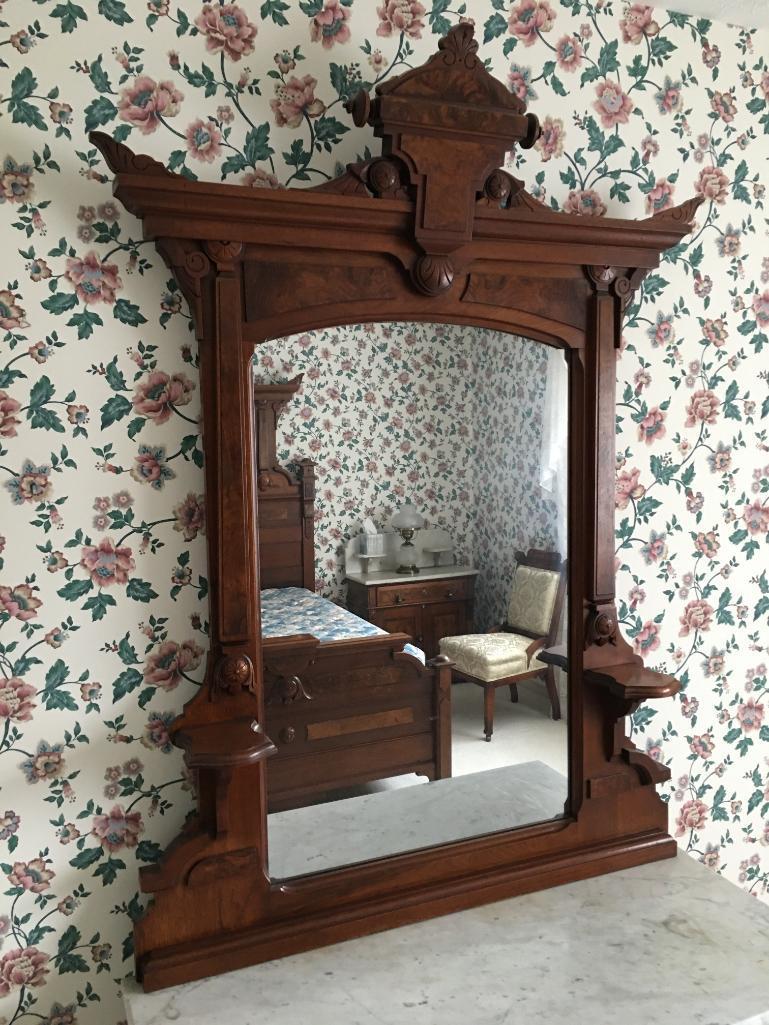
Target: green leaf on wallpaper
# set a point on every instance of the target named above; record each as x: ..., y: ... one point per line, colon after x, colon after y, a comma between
x: 257, y: 146
x: 557, y: 86
x: 114, y: 11
x: 328, y: 131
x: 128, y: 313
x: 762, y: 607
x: 75, y: 589
x: 65, y: 959
x: 176, y: 159
x: 234, y: 164
x: 654, y: 285
x: 145, y: 697
x: 23, y: 85
x: 98, y: 604
x: 114, y: 376
x: 717, y: 811
x: 60, y: 302
x: 140, y: 590
x: 99, y: 76
x: 114, y: 409
x: 85, y: 322
x: 128, y: 681
x: 47, y: 420
x: 723, y: 615
x: 135, y: 426
x: 661, y: 48
x: 311, y: 7
x: 756, y: 798
x: 109, y: 869
x: 69, y: 14
x: 27, y: 114
x: 274, y: 9
x: 84, y: 859
x: 99, y: 112
x: 42, y: 392
x: 607, y: 58
x: 121, y: 133
x: 494, y: 27
x: 127, y: 652
x: 148, y: 851
x: 439, y: 24
x: 756, y: 105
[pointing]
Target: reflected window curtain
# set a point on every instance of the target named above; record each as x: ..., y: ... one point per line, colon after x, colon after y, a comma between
x: 554, y: 450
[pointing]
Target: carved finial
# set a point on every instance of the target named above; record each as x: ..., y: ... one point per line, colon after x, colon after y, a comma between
x: 120, y: 158
x: 459, y: 44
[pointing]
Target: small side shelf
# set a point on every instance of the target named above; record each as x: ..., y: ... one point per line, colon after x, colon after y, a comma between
x: 225, y: 745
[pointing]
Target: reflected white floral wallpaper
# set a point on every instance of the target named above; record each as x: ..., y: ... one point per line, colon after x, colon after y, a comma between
x: 447, y: 417
x: 102, y: 588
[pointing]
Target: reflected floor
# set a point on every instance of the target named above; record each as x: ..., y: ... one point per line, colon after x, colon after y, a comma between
x: 517, y: 779
x: 324, y: 836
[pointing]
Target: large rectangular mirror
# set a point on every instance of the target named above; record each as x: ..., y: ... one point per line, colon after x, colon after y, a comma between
x: 404, y: 609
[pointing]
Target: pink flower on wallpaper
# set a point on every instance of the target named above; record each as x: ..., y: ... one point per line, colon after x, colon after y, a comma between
x: 164, y: 668
x: 660, y: 197
x: 227, y: 30
x: 715, y: 330
x: 156, y: 735
x: 750, y: 716
x: 105, y: 564
x: 692, y: 815
x: 190, y: 517
x: 204, y: 140
x: 586, y: 202
x: 550, y: 142
x: 569, y: 52
x: 25, y: 966
x: 401, y: 16
x: 712, y: 183
x: 19, y: 602
x: 647, y: 638
x: 260, y: 179
x: 16, y: 185
x: 330, y: 26
x: 613, y: 105
x: 16, y: 699
x: 637, y: 23
x: 697, y: 615
x: 34, y: 875
x: 145, y: 101
x: 707, y: 543
x: 530, y: 17
x: 294, y: 99
x: 652, y: 427
x: 756, y: 517
x: 724, y: 105
x: 703, y: 407
x: 159, y: 393
x: 94, y: 281
x: 760, y: 307
x: 627, y: 486
x: 8, y: 419
x: 702, y: 745
x: 11, y: 314
x: 117, y: 829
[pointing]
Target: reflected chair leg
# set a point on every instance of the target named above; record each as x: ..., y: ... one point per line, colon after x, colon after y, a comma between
x: 513, y: 691
x: 488, y: 710
x: 552, y: 692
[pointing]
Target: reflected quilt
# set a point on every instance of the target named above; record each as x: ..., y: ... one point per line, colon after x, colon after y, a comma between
x: 295, y: 610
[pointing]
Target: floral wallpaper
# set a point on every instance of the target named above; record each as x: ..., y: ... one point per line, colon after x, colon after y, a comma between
x: 444, y: 416
x: 102, y: 588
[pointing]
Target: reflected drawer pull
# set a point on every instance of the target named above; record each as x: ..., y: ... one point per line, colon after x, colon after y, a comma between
x: 449, y: 594
x: 398, y: 599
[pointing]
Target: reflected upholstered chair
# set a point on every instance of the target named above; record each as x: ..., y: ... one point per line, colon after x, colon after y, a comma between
x: 507, y: 653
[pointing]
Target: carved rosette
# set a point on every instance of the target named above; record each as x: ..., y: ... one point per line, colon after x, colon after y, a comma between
x: 601, y: 627
x: 433, y: 274
x: 234, y: 673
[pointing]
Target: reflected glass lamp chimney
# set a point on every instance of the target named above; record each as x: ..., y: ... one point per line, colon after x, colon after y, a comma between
x: 407, y: 522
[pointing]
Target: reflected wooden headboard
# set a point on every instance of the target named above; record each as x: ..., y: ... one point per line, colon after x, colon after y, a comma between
x: 286, y: 503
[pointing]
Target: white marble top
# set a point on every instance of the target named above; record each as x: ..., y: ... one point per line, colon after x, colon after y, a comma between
x: 389, y: 576
x: 665, y: 944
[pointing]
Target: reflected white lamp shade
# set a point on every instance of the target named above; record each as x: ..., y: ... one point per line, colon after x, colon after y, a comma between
x: 406, y: 521
x: 407, y: 518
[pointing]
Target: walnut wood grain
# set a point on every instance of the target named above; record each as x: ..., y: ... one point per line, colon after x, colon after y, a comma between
x: 432, y: 230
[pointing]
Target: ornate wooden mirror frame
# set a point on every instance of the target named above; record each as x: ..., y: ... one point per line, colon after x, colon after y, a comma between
x: 431, y: 230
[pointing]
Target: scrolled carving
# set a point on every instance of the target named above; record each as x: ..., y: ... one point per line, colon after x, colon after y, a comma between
x: 433, y: 274
x: 120, y: 159
x: 234, y: 673
x: 294, y: 690
x: 196, y: 263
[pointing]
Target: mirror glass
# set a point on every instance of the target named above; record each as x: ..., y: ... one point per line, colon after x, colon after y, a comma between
x: 405, y: 609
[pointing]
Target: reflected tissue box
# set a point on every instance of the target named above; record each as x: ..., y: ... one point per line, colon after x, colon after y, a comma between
x: 372, y: 544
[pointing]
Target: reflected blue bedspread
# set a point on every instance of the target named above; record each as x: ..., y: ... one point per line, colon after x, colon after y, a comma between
x: 295, y: 610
